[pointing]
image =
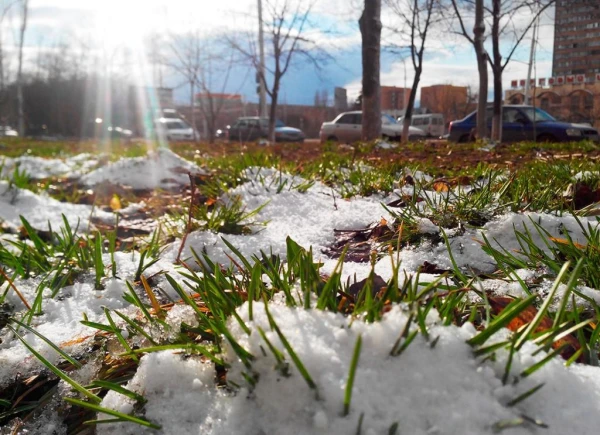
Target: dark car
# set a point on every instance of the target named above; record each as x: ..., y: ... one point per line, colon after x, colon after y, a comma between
x: 524, y: 123
x: 251, y: 128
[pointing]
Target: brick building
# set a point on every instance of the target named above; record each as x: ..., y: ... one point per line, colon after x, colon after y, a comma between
x: 573, y: 92
x: 573, y: 102
x: 454, y: 102
x: 394, y: 99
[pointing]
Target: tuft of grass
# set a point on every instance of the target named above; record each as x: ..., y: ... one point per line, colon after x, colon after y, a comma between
x: 351, y: 375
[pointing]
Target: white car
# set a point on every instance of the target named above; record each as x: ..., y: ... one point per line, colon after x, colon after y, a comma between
x: 347, y: 127
x: 174, y: 129
x: 6, y: 130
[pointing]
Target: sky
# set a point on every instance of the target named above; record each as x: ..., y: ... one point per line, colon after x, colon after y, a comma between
x: 109, y: 26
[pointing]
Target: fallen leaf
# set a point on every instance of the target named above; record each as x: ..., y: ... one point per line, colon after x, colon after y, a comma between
x: 568, y: 243
x: 115, y: 202
x: 441, y: 186
x: 499, y: 303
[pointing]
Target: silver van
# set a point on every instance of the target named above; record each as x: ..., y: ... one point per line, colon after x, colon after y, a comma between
x: 431, y: 123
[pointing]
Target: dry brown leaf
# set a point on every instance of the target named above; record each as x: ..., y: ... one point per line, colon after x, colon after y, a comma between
x: 567, y: 242
x: 441, y: 186
x: 499, y: 303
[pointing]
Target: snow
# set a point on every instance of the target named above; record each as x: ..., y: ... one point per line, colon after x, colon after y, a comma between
x: 39, y: 168
x: 162, y: 168
x: 428, y: 389
x: 425, y: 390
x: 39, y: 210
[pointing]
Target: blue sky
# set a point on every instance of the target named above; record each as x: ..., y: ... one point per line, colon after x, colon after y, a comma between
x: 112, y: 25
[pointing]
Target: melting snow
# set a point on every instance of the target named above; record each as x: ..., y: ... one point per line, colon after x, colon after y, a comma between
x: 426, y: 390
x: 162, y: 168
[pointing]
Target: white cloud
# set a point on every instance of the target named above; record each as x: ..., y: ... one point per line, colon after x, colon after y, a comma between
x: 115, y: 23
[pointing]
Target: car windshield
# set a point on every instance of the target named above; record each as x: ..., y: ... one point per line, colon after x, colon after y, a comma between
x: 537, y: 115
x: 278, y: 123
x: 387, y: 119
x: 176, y: 125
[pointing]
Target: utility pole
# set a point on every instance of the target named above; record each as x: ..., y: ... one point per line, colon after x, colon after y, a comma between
x: 531, y: 54
x: 262, y: 94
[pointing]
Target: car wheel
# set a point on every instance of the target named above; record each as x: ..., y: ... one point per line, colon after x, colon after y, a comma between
x: 332, y: 138
x: 464, y: 138
x: 546, y: 138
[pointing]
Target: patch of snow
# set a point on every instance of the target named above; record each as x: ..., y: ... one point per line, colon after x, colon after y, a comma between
x: 162, y: 168
x: 40, y: 210
x: 441, y: 389
x: 309, y: 218
x: 39, y: 168
x: 384, y: 145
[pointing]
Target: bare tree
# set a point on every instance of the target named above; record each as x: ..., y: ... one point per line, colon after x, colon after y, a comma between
x: 216, y: 63
x: 187, y: 51
x: 505, y: 20
x: 21, y: 115
x: 416, y: 20
x: 503, y: 14
x: 285, y: 26
x: 199, y: 60
x: 477, y: 41
x: 370, y: 30
x: 5, y: 9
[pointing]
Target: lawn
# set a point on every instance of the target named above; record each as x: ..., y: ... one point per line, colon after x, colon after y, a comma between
x: 299, y: 288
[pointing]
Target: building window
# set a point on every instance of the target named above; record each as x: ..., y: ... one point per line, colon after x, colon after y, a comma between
x: 556, y: 99
x: 575, y: 102
x: 589, y: 102
x: 545, y: 104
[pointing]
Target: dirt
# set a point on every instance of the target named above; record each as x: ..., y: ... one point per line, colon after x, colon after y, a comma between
x: 445, y: 157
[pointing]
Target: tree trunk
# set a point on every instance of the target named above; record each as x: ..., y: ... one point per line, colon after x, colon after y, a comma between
x: 193, y: 109
x: 479, y: 31
x: 21, y: 114
x: 370, y: 30
x: 497, y: 73
x: 273, y: 112
x: 212, y: 118
x: 411, y: 103
x: 497, y: 119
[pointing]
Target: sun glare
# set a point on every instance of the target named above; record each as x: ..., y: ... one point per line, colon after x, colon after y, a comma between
x: 121, y: 31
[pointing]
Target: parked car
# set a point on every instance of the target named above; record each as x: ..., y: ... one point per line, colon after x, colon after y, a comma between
x: 524, y: 123
x: 431, y: 123
x: 120, y: 133
x: 347, y: 127
x: 174, y: 129
x: 6, y: 130
x: 251, y: 128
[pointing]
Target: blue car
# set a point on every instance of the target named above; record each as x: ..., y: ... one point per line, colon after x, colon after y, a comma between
x: 524, y: 123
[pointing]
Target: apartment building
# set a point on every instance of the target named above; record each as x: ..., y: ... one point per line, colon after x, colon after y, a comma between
x: 577, y: 38
x: 573, y: 91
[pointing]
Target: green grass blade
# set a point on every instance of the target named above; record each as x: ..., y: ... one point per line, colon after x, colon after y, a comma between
x: 351, y: 375
x: 48, y: 342
x: 55, y: 369
x: 120, y: 415
x: 511, y: 311
x: 543, y: 309
x: 524, y: 396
